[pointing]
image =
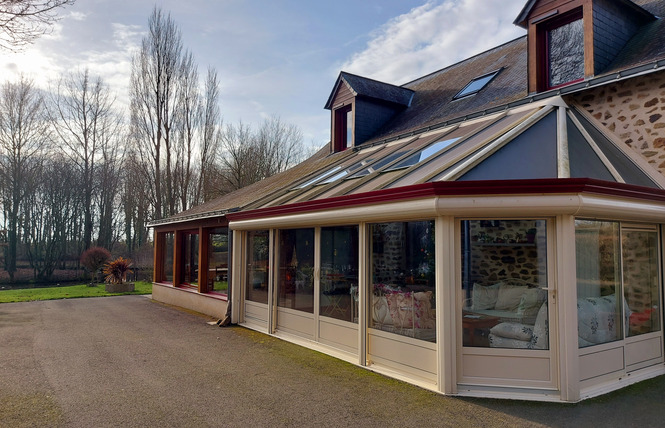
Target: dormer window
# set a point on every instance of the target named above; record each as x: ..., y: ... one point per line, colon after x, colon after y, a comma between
x: 563, y: 50
x: 343, y: 134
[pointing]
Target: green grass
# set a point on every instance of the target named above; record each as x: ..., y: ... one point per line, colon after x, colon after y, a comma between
x: 69, y: 292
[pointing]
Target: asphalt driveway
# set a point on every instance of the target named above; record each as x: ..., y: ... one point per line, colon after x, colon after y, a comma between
x: 128, y: 361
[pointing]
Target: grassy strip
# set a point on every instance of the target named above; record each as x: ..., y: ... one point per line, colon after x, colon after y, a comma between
x: 69, y: 292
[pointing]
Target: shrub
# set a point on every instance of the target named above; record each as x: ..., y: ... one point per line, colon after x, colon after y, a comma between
x: 93, y: 259
x: 116, y: 271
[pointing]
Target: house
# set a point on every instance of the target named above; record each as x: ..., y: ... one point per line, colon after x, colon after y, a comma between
x: 492, y: 229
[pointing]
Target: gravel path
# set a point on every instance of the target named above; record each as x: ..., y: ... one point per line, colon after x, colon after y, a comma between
x: 128, y: 361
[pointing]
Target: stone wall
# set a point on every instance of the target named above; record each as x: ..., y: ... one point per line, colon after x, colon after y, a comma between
x: 634, y: 111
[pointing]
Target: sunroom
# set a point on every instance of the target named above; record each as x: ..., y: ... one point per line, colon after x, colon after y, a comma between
x: 517, y: 255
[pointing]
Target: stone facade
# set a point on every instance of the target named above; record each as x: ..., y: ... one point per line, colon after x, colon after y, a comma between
x: 634, y: 111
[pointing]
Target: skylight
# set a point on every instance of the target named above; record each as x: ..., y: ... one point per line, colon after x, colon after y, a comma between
x: 347, y: 171
x: 319, y: 177
x: 380, y: 164
x: 423, y: 154
x: 475, y: 85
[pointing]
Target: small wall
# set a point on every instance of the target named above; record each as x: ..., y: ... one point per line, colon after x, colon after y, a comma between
x: 204, y: 303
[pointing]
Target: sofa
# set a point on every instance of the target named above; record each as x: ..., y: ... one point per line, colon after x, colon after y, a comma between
x: 404, y: 312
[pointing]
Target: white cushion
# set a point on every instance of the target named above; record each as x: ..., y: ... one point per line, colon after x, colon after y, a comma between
x: 509, y: 297
x: 484, y: 297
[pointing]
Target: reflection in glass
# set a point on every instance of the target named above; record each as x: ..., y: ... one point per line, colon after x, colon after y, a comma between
x: 504, y: 281
x: 218, y: 260
x: 566, y: 53
x: 640, y: 280
x: 402, y: 298
x: 598, y: 256
x: 339, y: 273
x: 295, y: 280
x: 423, y: 154
x: 190, y: 254
x: 168, y: 257
x: 256, y: 279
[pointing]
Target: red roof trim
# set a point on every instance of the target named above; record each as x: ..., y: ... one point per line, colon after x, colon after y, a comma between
x: 459, y: 188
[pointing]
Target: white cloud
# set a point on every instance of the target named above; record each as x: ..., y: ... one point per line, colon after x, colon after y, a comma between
x: 78, y: 16
x: 435, y: 35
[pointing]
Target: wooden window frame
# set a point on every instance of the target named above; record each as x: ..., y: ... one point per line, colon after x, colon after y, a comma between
x: 340, y: 140
x: 543, y: 55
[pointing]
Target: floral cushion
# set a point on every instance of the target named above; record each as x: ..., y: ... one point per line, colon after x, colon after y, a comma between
x: 411, y: 310
x: 598, y: 320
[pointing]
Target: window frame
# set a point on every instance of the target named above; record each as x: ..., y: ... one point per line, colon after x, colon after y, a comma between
x: 543, y: 30
x: 341, y: 128
x: 462, y: 94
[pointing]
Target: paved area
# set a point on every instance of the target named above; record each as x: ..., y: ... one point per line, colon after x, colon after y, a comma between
x: 128, y: 361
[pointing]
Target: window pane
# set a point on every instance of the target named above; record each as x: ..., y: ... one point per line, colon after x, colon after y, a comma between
x: 403, y: 267
x: 504, y: 276
x: 256, y: 280
x: 296, y: 269
x: 566, y: 53
x: 598, y: 257
x: 339, y: 273
x: 349, y: 128
x: 640, y: 280
x: 190, y: 253
x: 423, y: 154
x: 168, y: 257
x: 218, y: 260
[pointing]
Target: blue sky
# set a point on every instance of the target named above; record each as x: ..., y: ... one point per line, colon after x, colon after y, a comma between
x: 276, y: 57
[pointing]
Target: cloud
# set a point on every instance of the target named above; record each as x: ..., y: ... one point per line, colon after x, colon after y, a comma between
x: 78, y: 16
x: 435, y: 35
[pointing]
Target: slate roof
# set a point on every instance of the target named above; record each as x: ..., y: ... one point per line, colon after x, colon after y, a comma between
x: 370, y: 88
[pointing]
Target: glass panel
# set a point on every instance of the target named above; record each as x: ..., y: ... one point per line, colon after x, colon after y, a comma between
x: 319, y: 177
x: 339, y: 273
x: 256, y: 279
x: 402, y: 269
x: 380, y: 164
x: 598, y: 256
x: 640, y: 280
x: 476, y: 85
x: 347, y: 171
x: 504, y: 276
x: 190, y: 255
x: 218, y: 260
x: 423, y: 154
x: 168, y: 257
x: 566, y: 53
x: 296, y: 269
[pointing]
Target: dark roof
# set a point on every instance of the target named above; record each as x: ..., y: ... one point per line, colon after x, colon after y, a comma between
x: 433, y: 99
x: 369, y: 88
x: 644, y: 47
x: 655, y: 7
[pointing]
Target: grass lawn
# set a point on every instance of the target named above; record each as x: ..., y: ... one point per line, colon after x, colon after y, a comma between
x: 69, y: 292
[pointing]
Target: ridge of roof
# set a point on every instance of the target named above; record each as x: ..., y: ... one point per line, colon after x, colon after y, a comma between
x: 371, y: 88
x: 520, y: 21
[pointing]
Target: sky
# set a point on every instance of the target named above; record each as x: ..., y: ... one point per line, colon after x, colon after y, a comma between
x: 273, y: 57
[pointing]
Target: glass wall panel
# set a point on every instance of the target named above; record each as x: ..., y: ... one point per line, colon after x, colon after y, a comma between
x: 402, y: 265
x: 598, y: 254
x: 218, y: 260
x: 167, y: 262
x: 295, y: 281
x: 339, y: 273
x: 640, y: 280
x: 504, y: 276
x: 190, y: 258
x: 256, y: 272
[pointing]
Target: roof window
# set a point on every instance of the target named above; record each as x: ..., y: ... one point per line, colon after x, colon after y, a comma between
x: 475, y: 85
x: 347, y: 171
x: 380, y: 164
x: 423, y: 154
x: 319, y: 177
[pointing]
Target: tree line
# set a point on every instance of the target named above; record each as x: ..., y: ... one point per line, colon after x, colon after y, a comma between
x: 77, y: 170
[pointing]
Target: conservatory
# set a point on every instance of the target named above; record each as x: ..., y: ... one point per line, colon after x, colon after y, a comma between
x: 467, y: 259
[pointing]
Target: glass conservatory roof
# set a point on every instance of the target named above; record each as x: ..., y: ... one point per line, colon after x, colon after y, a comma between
x: 544, y: 141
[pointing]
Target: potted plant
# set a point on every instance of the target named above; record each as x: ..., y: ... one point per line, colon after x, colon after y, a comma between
x: 116, y: 276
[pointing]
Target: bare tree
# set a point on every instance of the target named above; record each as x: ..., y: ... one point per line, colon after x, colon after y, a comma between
x: 210, y: 138
x: 188, y: 118
x: 81, y: 110
x: 248, y: 156
x: 24, y: 131
x: 23, y: 21
x: 156, y: 70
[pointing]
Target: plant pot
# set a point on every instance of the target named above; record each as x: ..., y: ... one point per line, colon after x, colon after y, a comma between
x: 124, y: 287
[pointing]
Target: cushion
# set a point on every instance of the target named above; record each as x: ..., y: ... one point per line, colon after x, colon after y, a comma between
x: 513, y: 330
x: 531, y: 301
x: 504, y: 342
x: 410, y: 310
x: 509, y: 297
x: 380, y: 312
x: 541, y: 338
x: 484, y: 297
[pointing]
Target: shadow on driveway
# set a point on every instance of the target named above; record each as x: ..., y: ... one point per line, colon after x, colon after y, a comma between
x: 128, y: 361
